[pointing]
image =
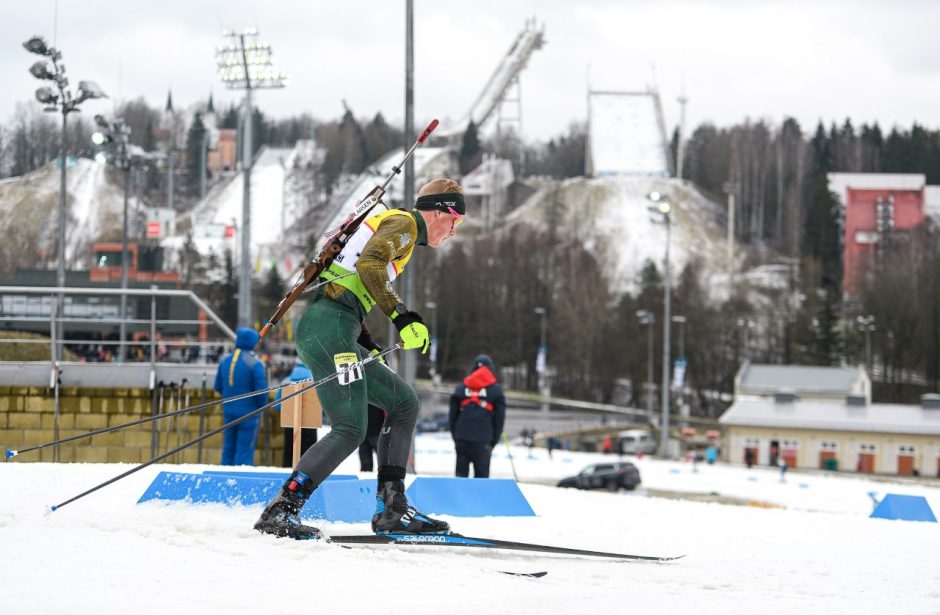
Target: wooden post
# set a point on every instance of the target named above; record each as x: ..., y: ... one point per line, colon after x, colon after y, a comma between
x: 300, y: 412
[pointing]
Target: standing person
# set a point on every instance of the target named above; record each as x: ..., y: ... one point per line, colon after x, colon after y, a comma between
x: 371, y: 443
x: 241, y: 372
x: 359, y: 279
x: 477, y: 414
x: 308, y: 437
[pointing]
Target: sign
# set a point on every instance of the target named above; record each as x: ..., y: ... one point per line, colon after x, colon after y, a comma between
x: 229, y: 231
x: 433, y: 351
x: 678, y: 373
x: 154, y: 229
x: 540, y: 360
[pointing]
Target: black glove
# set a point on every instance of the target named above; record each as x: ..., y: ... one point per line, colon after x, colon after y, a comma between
x: 365, y: 340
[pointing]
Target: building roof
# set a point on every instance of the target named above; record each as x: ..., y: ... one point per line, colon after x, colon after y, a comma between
x: 932, y: 202
x: 756, y: 379
x: 839, y: 182
x: 830, y: 416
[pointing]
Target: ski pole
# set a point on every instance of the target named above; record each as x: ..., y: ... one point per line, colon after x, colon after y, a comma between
x: 512, y: 464
x: 13, y: 453
x: 349, y: 368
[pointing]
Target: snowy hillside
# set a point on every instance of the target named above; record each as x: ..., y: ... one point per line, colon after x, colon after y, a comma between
x: 611, y: 216
x: 29, y: 213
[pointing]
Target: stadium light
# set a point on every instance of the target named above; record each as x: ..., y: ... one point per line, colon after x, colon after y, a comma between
x: 63, y: 102
x: 245, y: 64
x: 664, y: 207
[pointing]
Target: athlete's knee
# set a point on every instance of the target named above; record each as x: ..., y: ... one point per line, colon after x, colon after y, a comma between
x: 352, y: 433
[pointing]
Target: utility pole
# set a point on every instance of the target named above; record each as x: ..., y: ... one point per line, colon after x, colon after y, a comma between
x: 680, y: 146
x: 409, y: 360
x: 245, y: 64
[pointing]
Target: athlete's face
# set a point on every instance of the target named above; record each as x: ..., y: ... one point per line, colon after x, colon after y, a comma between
x: 441, y: 227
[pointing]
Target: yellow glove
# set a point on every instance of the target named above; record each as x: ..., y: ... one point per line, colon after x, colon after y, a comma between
x: 414, y: 333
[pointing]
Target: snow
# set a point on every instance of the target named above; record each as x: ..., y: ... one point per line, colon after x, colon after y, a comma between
x: 817, y: 553
x: 626, y: 135
x: 611, y: 215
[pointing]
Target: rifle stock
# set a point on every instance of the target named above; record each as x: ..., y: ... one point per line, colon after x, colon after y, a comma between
x: 337, y: 238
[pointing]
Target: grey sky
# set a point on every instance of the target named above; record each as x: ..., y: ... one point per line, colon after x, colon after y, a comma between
x: 866, y: 60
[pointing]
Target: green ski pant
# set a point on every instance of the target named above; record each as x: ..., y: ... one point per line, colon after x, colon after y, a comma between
x: 328, y: 329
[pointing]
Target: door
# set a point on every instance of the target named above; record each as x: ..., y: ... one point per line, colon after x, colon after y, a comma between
x: 750, y: 455
x: 866, y: 463
x: 905, y: 465
x: 823, y: 456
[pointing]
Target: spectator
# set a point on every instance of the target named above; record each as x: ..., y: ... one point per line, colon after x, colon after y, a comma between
x: 241, y: 372
x: 308, y: 437
x: 749, y: 457
x: 370, y: 444
x: 608, y: 445
x: 477, y: 414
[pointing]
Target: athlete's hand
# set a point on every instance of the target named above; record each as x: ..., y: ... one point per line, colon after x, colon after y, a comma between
x: 414, y: 333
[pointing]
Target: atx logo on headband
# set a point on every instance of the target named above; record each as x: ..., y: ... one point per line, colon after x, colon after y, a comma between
x: 449, y: 202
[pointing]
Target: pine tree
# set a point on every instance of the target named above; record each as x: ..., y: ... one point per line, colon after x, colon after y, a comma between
x: 470, y: 150
x: 195, y: 153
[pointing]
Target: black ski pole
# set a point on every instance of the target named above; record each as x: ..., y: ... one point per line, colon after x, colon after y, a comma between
x: 155, y: 417
x: 351, y: 367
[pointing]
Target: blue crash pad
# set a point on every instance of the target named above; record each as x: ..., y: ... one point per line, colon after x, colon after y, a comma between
x: 339, y: 498
x: 281, y: 476
x: 904, y: 507
x: 469, y: 497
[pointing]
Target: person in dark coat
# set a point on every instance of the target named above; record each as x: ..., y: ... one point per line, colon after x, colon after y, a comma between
x: 308, y: 436
x: 241, y: 372
x: 477, y: 414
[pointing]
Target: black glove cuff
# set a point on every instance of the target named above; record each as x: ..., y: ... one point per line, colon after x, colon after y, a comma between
x: 365, y: 340
x: 403, y: 320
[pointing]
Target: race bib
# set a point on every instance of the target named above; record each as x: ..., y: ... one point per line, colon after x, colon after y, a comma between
x: 344, y: 361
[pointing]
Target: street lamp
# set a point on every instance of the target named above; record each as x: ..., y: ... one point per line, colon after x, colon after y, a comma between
x: 541, y: 360
x: 59, y: 100
x: 648, y: 319
x: 866, y: 324
x: 245, y: 64
x: 116, y: 137
x: 664, y: 208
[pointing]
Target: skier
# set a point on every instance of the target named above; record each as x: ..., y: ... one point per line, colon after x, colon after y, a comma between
x: 477, y: 414
x: 359, y: 278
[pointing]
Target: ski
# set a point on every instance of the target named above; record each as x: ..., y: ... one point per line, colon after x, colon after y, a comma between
x: 531, y: 575
x: 457, y: 540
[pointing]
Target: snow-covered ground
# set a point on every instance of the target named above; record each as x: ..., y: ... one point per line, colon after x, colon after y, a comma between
x: 106, y: 554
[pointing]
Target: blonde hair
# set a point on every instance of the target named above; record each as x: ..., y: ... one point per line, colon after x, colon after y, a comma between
x: 441, y: 185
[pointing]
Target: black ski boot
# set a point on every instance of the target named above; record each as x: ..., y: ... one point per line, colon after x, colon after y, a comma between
x: 280, y: 517
x: 393, y: 515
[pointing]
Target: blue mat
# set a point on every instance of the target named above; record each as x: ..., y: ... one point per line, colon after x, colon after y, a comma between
x: 904, y: 508
x: 339, y: 498
x: 469, y: 497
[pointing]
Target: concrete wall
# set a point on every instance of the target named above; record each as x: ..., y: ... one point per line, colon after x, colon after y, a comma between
x: 27, y: 418
x: 846, y: 445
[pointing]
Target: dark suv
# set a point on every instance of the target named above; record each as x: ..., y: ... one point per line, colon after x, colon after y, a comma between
x: 609, y: 476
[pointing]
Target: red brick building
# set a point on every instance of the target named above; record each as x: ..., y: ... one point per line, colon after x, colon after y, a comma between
x: 878, y: 208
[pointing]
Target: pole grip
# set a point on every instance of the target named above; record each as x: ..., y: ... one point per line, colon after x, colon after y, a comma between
x: 427, y: 131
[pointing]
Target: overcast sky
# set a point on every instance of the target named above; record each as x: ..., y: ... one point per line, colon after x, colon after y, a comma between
x: 867, y: 60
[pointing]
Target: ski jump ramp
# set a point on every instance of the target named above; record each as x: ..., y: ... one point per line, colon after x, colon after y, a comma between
x: 626, y: 135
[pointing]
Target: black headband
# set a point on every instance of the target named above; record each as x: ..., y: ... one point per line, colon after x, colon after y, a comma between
x: 442, y: 202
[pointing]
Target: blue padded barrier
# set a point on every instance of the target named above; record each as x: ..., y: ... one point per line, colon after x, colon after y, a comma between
x: 341, y: 497
x: 468, y: 497
x: 904, y: 507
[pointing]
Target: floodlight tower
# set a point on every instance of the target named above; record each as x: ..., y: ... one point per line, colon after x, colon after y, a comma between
x: 60, y: 100
x: 245, y: 64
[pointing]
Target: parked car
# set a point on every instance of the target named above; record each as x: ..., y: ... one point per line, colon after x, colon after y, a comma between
x: 636, y: 441
x: 610, y: 476
x: 438, y: 422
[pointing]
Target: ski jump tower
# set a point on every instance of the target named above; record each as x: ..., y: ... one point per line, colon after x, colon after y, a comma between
x: 503, y: 82
x: 626, y: 135
x: 438, y: 160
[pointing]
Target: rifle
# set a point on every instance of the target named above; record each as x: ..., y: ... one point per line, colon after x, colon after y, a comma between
x: 335, y: 240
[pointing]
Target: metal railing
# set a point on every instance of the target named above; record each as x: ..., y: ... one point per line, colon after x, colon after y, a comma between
x: 56, y: 373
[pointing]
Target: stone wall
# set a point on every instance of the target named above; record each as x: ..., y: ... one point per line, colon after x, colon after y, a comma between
x: 27, y: 418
